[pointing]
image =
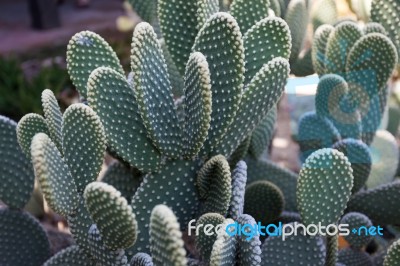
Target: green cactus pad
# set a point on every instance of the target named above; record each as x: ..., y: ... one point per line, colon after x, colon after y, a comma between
x: 284, y: 179
x: 180, y: 22
x: 124, y: 178
x: 248, y: 250
x: 166, y: 238
x: 379, y: 204
x: 340, y: 42
x: 87, y: 51
x: 112, y: 215
x: 315, y: 132
x: 141, y: 259
x: 53, y: 116
x: 147, y: 10
x: 101, y: 253
x: 263, y: 134
x: 197, y: 104
x: 70, y: 256
x: 204, y: 243
x: 357, y: 220
x: 106, y: 88
x: 153, y: 91
x: 224, y: 249
x: 297, y: 19
x: 331, y: 249
x: 79, y: 224
x: 324, y: 187
x: 373, y: 27
x: 372, y: 76
x: 320, y: 41
x: 55, y: 179
x: 393, y: 255
x: 239, y: 179
x: 176, y: 187
x: 27, y: 128
x: 295, y: 249
x: 249, y: 12
x: 16, y: 173
x: 353, y: 257
x: 259, y: 97
x: 220, y: 41
x: 267, y: 39
x: 332, y: 101
x: 174, y: 76
x: 264, y: 201
x: 385, y: 154
x: 23, y: 241
x: 386, y: 13
x: 84, y: 144
x: 360, y: 158
x: 214, y: 184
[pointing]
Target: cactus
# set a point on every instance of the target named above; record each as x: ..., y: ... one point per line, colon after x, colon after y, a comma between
x: 165, y: 238
x: 264, y: 201
x: 360, y: 158
x: 239, y: 179
x: 357, y: 220
x: 204, y: 243
x: 324, y: 12
x: 141, y: 259
x: 214, y: 184
x: 20, y: 231
x: 248, y: 250
x: 247, y: 13
x: 16, y: 173
x: 296, y: 249
x: 225, y: 247
x: 317, y: 201
x: 393, y: 255
x: 379, y: 203
x: 70, y: 256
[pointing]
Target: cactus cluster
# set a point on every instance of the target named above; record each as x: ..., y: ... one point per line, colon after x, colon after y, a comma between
x: 188, y: 130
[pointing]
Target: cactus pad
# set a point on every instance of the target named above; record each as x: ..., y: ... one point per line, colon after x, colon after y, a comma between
x: 249, y: 12
x: 248, y: 250
x: 220, y: 41
x: 357, y: 220
x: 320, y: 41
x: 166, y: 238
x: 224, y: 249
x: 87, y: 51
x: 239, y: 179
x: 204, y: 243
x: 70, y: 256
x: 55, y: 179
x: 214, y: 183
x: 264, y: 201
x: 141, y: 259
x: 84, y: 144
x: 324, y: 187
x: 53, y: 116
x: 16, y: 173
x: 197, y: 104
x: 22, y: 239
x: 28, y: 127
x: 393, y: 255
x: 106, y: 88
x: 112, y: 215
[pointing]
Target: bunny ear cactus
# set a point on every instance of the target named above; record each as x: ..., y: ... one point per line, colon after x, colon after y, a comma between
x: 72, y: 255
x: 16, y: 174
x: 225, y: 247
x: 324, y: 187
x: 53, y: 116
x: 214, y: 184
x: 247, y: 13
x: 204, y: 243
x: 20, y: 232
x: 165, y: 238
x: 386, y: 13
x: 141, y: 259
x: 248, y: 250
x: 357, y: 220
x: 112, y: 215
x: 393, y: 255
x: 297, y: 249
x: 239, y: 179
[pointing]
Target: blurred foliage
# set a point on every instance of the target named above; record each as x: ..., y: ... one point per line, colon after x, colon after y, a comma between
x: 19, y: 96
